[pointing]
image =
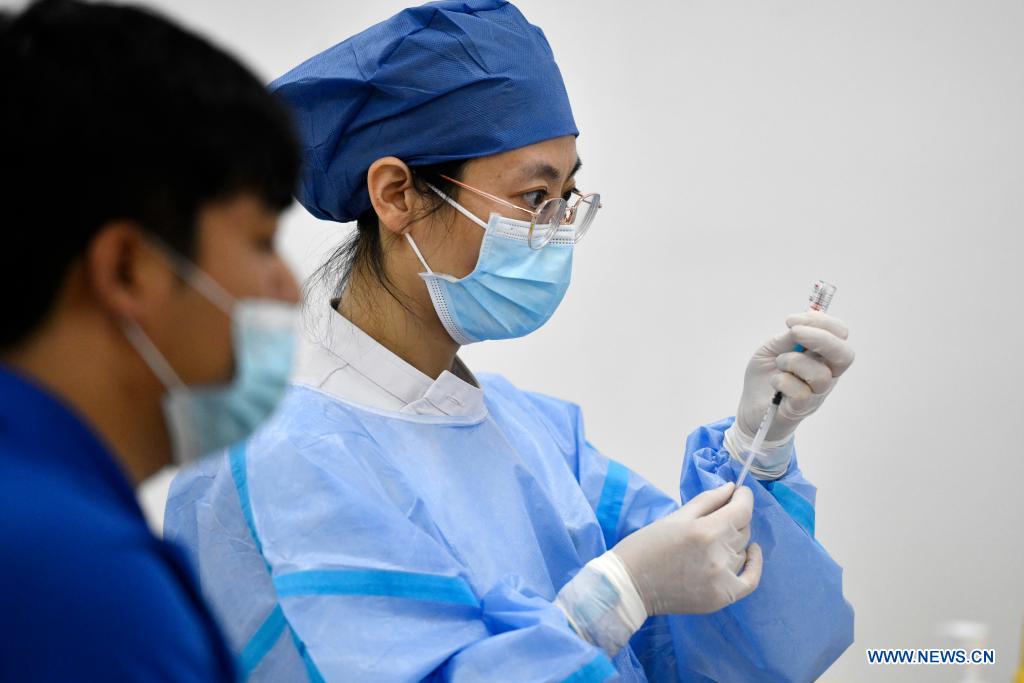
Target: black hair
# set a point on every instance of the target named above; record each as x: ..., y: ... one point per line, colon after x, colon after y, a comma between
x: 363, y: 251
x: 111, y: 112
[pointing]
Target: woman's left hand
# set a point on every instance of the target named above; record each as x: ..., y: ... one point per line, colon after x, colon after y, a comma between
x: 805, y: 379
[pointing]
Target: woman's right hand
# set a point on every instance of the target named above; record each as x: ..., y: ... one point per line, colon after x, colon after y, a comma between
x: 689, y: 562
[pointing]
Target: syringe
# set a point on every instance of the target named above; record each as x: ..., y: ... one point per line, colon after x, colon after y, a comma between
x: 820, y: 299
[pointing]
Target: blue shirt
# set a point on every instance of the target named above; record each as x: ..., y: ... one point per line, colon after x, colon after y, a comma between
x: 88, y: 592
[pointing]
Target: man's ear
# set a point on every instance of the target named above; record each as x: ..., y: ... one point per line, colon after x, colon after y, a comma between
x: 393, y: 194
x: 123, y: 274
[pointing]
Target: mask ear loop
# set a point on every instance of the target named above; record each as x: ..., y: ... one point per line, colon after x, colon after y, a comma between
x: 458, y: 207
x: 151, y: 355
x: 196, y: 277
x: 416, y: 250
x: 209, y: 288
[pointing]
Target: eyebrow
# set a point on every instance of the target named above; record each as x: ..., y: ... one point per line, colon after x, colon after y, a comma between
x: 547, y: 171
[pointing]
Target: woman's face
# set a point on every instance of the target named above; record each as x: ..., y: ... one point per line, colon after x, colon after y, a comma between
x: 526, y: 177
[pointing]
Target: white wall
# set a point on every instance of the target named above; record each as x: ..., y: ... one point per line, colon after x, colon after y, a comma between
x: 746, y: 149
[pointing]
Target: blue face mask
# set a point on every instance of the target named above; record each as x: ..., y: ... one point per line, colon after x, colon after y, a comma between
x: 512, y: 291
x: 204, y: 419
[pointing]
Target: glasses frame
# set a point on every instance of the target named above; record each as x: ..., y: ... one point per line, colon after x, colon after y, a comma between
x: 568, y: 211
x: 570, y: 215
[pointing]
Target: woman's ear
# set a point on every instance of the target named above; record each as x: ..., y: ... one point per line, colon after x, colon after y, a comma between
x: 393, y: 194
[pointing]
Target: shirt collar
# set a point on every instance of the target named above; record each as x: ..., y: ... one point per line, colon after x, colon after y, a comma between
x: 454, y: 393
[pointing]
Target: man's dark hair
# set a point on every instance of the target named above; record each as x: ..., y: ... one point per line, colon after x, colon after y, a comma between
x: 113, y: 113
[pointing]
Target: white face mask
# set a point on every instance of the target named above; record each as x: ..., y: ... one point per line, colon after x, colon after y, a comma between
x: 202, y: 420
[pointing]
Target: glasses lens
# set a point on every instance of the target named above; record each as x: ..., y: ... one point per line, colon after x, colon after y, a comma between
x: 586, y: 209
x: 549, y: 217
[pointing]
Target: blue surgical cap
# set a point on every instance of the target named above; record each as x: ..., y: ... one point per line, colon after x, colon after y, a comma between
x: 441, y: 82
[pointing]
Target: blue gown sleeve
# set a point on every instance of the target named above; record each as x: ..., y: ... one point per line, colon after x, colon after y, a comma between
x: 359, y: 584
x: 797, y: 623
x: 792, y: 628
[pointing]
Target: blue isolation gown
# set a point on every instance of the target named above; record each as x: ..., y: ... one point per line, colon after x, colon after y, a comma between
x: 345, y: 543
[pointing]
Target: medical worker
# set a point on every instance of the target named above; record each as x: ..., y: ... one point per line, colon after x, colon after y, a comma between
x: 402, y: 518
x: 146, y: 319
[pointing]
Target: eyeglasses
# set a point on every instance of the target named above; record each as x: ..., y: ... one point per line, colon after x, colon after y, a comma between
x: 551, y: 214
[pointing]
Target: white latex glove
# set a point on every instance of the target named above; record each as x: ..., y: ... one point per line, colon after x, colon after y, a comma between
x: 804, y: 379
x: 686, y: 563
